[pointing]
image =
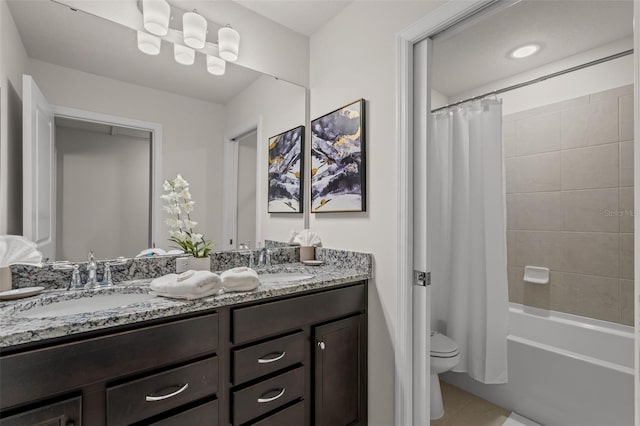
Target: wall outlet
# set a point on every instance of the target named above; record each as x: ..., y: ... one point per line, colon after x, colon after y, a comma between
x: 182, y: 264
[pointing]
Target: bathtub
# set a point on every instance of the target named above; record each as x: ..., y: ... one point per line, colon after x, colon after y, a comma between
x: 563, y: 370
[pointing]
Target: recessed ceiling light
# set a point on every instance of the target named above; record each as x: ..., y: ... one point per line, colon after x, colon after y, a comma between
x: 525, y: 51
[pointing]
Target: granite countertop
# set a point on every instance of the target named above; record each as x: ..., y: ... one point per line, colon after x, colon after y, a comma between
x: 18, y: 330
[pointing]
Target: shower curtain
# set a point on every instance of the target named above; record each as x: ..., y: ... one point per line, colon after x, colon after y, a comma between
x: 467, y: 236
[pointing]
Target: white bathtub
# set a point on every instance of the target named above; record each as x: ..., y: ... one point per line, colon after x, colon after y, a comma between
x: 563, y: 370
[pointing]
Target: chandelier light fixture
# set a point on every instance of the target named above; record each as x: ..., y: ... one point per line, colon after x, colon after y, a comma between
x: 157, y: 15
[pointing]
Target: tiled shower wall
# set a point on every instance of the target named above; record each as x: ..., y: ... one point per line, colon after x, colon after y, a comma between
x: 569, y: 182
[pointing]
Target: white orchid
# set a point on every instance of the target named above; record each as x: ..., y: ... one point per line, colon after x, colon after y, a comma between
x: 189, y: 224
x: 178, y: 204
x: 179, y: 182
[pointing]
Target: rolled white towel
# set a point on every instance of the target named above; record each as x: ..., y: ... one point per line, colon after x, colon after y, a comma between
x: 188, y: 285
x: 240, y: 279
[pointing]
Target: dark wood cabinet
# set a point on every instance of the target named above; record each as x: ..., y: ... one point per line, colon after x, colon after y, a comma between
x: 256, y: 363
x: 63, y: 413
x: 340, y: 372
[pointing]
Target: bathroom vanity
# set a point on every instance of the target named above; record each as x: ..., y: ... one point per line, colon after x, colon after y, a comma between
x: 293, y: 354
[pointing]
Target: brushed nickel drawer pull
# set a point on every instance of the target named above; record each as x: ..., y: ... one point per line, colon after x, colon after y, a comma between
x: 150, y: 398
x: 263, y: 400
x: 270, y: 360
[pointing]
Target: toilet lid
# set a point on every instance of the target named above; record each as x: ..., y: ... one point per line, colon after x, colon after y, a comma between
x: 442, y: 346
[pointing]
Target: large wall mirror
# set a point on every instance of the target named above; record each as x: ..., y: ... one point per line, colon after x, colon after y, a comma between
x: 120, y: 122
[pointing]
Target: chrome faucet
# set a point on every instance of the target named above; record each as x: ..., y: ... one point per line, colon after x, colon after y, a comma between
x: 92, y: 271
x: 264, y: 257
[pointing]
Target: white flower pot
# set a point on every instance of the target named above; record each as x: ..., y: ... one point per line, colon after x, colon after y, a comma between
x: 200, y: 263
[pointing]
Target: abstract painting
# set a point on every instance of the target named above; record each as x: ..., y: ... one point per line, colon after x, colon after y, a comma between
x: 286, y: 168
x: 338, y: 160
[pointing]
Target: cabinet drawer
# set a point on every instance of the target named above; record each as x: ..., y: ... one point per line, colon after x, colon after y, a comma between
x: 258, y: 360
x: 59, y: 413
x: 293, y: 415
x: 272, y: 318
x: 40, y: 373
x: 151, y: 395
x: 205, y: 414
x: 268, y: 395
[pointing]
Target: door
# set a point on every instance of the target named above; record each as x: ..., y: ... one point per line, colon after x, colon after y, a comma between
x: 340, y: 373
x: 38, y: 169
x: 64, y: 413
x: 421, y: 261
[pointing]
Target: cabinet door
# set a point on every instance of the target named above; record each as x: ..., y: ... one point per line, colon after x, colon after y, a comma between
x: 340, y: 373
x: 64, y: 413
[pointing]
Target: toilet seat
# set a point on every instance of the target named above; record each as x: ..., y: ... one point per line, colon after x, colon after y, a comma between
x: 442, y: 346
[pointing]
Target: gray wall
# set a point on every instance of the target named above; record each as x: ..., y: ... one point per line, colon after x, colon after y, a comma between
x: 569, y: 182
x: 102, y: 194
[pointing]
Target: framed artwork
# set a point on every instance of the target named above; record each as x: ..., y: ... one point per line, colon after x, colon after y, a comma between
x: 286, y: 168
x: 338, y: 176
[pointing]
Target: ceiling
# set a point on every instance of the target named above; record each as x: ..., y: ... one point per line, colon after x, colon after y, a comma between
x: 476, y: 53
x: 53, y: 33
x: 302, y: 16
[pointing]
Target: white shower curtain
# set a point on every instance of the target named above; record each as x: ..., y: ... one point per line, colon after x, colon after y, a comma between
x: 467, y: 236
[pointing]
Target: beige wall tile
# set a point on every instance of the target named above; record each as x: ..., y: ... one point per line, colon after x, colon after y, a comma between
x: 509, y: 138
x: 536, y: 211
x: 591, y: 253
x: 592, y: 124
x: 535, y: 248
x: 626, y: 163
x: 533, y: 173
x: 590, y: 210
x: 592, y: 167
x: 516, y: 285
x: 612, y: 93
x: 587, y: 295
x: 627, y: 209
x: 626, y: 302
x: 626, y: 117
x: 626, y: 256
x: 551, y: 108
x: 538, y: 134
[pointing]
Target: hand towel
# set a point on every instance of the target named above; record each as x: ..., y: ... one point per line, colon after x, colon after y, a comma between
x: 188, y: 285
x: 240, y: 279
x: 17, y: 250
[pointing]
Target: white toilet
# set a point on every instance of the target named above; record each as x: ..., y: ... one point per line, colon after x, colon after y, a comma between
x: 444, y: 356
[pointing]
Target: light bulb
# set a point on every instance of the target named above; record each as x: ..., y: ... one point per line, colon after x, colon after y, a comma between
x: 228, y: 43
x: 215, y: 65
x: 184, y: 55
x: 148, y: 43
x: 156, y: 14
x: 194, y: 30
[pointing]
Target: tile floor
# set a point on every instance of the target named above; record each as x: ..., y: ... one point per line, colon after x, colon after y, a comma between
x: 464, y: 409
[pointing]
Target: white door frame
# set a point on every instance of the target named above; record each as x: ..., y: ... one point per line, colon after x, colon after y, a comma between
x: 230, y: 183
x: 441, y: 18
x: 156, y: 153
x: 434, y: 22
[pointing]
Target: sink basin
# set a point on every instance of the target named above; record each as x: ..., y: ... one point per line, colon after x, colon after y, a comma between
x: 283, y: 277
x: 84, y: 305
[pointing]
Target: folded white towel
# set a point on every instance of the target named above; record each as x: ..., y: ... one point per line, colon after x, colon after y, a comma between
x: 188, y: 285
x: 240, y: 279
x: 16, y: 249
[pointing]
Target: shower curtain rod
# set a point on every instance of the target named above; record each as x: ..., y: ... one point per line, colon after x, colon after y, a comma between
x: 539, y: 79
